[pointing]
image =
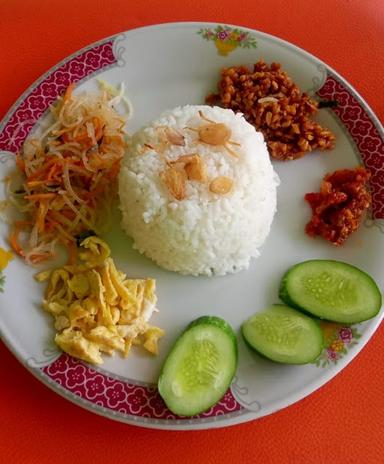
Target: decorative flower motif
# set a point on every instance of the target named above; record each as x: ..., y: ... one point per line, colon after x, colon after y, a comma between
x: 336, y: 340
x: 378, y: 176
x: 92, y: 60
x: 360, y: 128
x: 227, y: 39
x: 62, y: 78
x: 60, y: 366
x: 37, y: 102
x: 337, y: 346
x: 49, y: 89
x: 94, y: 386
x: 343, y: 98
x: 25, y: 115
x: 370, y: 144
x: 137, y: 400
x: 76, y: 68
x: 107, y: 54
x: 222, y: 35
x: 352, y: 113
x: 345, y: 334
x: 115, y: 394
x: 75, y: 376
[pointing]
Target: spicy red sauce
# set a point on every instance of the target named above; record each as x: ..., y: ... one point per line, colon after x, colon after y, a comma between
x: 337, y: 210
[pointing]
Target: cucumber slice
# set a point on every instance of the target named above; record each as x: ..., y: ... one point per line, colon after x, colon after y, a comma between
x: 200, y: 367
x: 283, y: 335
x: 331, y: 290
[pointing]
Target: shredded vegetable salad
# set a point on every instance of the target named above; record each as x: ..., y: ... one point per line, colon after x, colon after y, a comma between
x: 68, y: 175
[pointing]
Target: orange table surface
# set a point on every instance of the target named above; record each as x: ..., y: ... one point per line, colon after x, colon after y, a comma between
x: 343, y: 422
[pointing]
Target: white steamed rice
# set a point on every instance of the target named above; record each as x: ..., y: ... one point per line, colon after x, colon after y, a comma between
x: 205, y: 233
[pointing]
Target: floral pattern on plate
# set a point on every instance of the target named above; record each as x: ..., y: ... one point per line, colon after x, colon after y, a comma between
x: 338, y: 339
x: 227, y: 38
x: 119, y: 395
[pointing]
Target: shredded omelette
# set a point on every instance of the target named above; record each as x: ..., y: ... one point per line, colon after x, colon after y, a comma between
x: 97, y: 309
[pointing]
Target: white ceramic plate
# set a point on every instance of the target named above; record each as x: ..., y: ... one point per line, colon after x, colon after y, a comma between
x: 162, y: 67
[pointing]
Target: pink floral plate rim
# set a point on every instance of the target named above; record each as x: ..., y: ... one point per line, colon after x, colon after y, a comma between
x: 136, y: 403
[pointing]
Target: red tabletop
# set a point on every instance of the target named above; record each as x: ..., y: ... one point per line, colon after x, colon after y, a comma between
x: 343, y: 422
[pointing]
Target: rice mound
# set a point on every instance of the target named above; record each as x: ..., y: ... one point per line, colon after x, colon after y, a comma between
x: 205, y: 233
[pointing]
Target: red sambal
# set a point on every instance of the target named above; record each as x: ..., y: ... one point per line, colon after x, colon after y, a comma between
x: 337, y: 210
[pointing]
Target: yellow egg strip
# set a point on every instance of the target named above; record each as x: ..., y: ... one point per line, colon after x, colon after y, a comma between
x: 96, y: 308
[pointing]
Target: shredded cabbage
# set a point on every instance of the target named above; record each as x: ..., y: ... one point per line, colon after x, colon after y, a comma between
x: 69, y: 173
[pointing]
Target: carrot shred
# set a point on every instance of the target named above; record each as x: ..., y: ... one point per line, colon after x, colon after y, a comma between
x: 54, y: 170
x: 69, y: 175
x: 40, y: 219
x: 39, y: 257
x: 39, y: 172
x: 35, y: 183
x: 14, y: 236
x: 40, y: 196
x: 98, y: 128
